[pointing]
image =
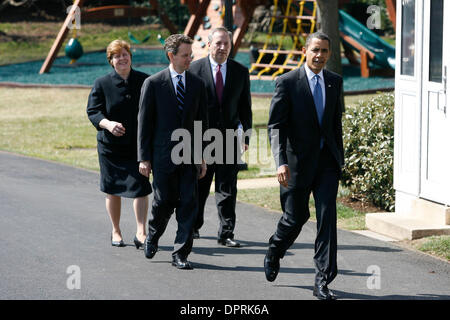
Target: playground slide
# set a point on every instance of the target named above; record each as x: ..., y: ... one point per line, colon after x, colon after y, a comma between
x: 383, y: 51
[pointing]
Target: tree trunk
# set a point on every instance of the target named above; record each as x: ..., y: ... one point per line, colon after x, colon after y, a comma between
x: 329, y: 24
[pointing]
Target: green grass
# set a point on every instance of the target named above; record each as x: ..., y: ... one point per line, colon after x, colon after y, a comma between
x: 436, y: 245
x: 49, y: 124
x: 33, y: 40
x: 269, y: 198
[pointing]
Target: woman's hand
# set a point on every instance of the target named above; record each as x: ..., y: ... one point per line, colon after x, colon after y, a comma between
x: 116, y: 128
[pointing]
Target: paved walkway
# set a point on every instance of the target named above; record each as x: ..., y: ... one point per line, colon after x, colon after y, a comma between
x: 54, y: 227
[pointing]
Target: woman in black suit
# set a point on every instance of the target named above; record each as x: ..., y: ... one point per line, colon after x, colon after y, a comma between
x: 112, y: 108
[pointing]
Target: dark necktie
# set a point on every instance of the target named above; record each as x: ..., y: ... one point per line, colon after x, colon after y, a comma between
x: 180, y: 92
x: 318, y: 101
x: 219, y: 84
x: 318, y: 98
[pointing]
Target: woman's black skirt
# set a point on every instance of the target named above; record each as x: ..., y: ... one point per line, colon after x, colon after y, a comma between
x: 121, y: 177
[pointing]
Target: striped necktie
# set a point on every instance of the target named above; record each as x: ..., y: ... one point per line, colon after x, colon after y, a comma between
x: 180, y: 92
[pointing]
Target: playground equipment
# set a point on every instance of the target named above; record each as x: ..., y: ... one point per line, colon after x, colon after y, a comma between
x: 281, y: 59
x: 207, y: 14
x: 371, y: 47
x: 74, y: 49
x: 101, y: 13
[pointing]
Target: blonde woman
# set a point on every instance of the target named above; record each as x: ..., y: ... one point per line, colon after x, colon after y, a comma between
x: 112, y: 108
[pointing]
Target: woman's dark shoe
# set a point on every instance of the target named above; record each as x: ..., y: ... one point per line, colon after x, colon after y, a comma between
x: 117, y: 243
x: 137, y: 243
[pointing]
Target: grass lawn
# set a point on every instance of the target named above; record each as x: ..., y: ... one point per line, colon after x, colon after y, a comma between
x: 34, y: 39
x: 269, y: 198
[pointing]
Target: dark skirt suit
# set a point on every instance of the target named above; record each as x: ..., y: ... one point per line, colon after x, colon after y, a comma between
x: 117, y: 100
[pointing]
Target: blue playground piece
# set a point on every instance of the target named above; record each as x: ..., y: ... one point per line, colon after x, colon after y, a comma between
x: 384, y: 52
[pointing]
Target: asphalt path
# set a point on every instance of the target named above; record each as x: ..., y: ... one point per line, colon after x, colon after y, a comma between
x: 55, y: 244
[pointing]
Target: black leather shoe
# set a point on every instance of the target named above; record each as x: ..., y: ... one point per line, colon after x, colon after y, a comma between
x: 137, y: 243
x: 271, y: 267
x: 196, y: 234
x: 150, y: 248
x: 323, y: 293
x: 228, y: 242
x: 181, y: 263
x: 117, y: 243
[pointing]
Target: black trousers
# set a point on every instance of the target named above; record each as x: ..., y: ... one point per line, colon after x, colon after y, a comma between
x: 177, y: 191
x: 225, y: 195
x: 294, y: 201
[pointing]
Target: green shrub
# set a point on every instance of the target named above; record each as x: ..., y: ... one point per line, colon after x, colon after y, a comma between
x: 369, y: 150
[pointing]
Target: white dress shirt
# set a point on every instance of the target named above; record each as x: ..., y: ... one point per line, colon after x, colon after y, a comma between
x: 173, y: 76
x: 312, y: 82
x: 223, y: 69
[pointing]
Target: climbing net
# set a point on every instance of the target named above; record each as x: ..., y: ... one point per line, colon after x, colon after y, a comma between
x: 292, y: 57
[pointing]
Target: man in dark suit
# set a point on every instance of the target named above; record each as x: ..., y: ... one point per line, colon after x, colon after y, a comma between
x: 305, y: 131
x: 229, y: 105
x: 171, y: 101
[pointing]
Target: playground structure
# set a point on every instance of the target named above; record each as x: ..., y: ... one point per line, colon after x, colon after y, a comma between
x: 299, y: 18
x: 207, y: 14
x: 101, y: 13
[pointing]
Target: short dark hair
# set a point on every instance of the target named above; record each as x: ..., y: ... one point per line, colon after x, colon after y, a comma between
x: 173, y: 42
x: 317, y: 35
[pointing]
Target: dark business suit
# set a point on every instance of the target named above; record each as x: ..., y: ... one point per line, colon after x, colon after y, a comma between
x: 175, y: 185
x: 234, y: 108
x: 313, y: 169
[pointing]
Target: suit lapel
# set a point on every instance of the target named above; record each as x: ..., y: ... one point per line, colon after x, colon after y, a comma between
x: 188, y: 94
x: 329, y: 88
x: 228, y: 81
x: 207, y: 72
x: 304, y: 87
x: 168, y: 85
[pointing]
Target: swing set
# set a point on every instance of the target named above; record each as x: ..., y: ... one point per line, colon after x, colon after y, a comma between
x: 74, y: 49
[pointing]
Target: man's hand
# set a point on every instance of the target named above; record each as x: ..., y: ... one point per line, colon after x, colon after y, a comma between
x: 283, y: 175
x: 145, y: 168
x: 202, y: 170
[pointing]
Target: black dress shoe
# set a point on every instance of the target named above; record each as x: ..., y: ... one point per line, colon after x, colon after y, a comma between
x: 181, y: 263
x: 117, y: 243
x: 271, y: 267
x: 196, y: 234
x: 150, y: 248
x: 137, y: 243
x: 323, y: 293
x: 228, y: 242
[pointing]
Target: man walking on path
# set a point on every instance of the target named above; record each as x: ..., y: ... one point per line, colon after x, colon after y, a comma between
x: 171, y: 100
x: 305, y: 131
x: 229, y: 104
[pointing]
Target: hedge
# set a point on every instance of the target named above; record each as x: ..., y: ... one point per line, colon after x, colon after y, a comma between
x: 369, y: 151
